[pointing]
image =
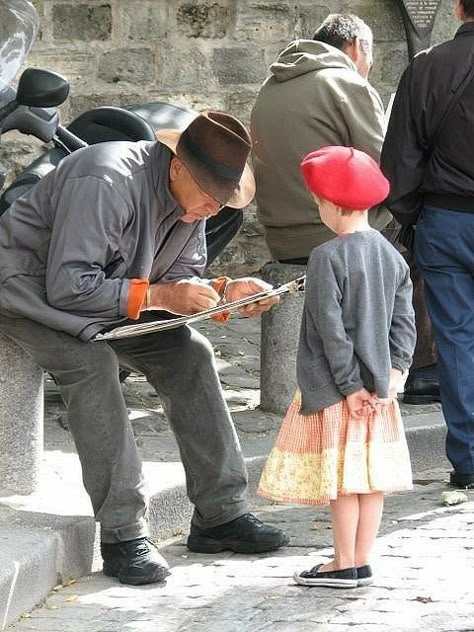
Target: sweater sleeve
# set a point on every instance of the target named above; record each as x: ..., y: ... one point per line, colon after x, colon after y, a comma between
x: 85, y: 241
x: 324, y: 296
x: 402, y: 335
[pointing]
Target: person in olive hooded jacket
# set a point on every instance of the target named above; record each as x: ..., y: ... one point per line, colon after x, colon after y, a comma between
x: 317, y: 95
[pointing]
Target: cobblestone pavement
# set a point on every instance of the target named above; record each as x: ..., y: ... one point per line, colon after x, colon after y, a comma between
x: 424, y: 567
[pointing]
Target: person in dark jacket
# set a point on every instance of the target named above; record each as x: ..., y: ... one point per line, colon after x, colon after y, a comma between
x: 428, y: 157
x: 117, y: 230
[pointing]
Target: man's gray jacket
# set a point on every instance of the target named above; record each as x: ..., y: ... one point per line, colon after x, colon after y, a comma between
x: 77, y: 251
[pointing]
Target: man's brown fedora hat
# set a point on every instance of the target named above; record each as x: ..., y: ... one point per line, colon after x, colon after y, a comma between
x: 214, y: 148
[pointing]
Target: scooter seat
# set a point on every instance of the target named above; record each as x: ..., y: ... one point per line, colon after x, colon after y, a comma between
x: 162, y: 115
x: 111, y: 123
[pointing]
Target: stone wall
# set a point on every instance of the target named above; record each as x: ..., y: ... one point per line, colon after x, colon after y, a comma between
x: 212, y: 54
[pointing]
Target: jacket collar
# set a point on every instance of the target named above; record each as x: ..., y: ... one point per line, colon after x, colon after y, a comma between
x: 465, y: 29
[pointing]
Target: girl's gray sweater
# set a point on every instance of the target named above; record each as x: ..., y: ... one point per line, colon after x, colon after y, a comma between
x: 358, y: 319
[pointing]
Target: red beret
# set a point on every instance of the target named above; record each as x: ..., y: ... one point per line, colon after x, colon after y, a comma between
x: 345, y: 176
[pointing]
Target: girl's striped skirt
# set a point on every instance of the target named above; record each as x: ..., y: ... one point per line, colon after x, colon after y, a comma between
x: 321, y: 456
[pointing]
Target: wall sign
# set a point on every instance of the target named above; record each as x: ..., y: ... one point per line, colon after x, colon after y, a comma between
x: 418, y: 19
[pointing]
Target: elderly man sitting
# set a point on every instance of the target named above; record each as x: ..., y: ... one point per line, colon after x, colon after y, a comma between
x: 115, y: 230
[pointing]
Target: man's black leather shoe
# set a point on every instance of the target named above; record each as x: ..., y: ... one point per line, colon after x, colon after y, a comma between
x: 134, y: 562
x: 421, y: 390
x: 463, y: 481
x: 246, y: 534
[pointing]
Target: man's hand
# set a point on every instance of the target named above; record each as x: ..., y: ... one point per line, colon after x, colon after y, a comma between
x: 184, y: 297
x: 241, y: 288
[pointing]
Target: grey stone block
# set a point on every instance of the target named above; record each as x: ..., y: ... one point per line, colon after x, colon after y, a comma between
x: 28, y: 573
x: 82, y: 22
x: 204, y: 19
x: 141, y: 21
x: 21, y: 420
x: 309, y: 17
x: 391, y: 63
x: 240, y: 104
x: 239, y: 65
x: 193, y: 71
x: 279, y: 341
x: 271, y: 21
x: 127, y: 64
x: 169, y: 513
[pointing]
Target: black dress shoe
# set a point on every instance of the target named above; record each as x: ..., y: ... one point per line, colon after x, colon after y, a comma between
x: 463, y: 481
x: 421, y: 390
x: 134, y: 562
x: 246, y: 534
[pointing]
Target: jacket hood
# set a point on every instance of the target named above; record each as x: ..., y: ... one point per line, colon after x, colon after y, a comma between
x: 302, y: 56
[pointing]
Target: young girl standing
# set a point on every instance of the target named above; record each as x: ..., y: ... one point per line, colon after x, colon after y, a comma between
x: 342, y: 441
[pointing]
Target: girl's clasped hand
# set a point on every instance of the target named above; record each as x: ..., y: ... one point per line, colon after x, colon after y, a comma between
x: 362, y: 403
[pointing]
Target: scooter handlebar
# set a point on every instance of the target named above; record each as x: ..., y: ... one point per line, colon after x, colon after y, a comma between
x: 68, y: 140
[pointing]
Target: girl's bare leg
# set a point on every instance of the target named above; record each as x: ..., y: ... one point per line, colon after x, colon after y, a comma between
x: 345, y: 519
x: 370, y: 515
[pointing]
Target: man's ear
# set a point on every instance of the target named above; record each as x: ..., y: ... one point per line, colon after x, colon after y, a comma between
x: 352, y: 50
x: 176, y: 167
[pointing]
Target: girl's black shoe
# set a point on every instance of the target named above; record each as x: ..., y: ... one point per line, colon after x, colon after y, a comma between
x: 345, y: 578
x: 364, y: 575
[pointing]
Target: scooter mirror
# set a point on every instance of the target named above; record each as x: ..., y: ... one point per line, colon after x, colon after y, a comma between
x: 41, y: 88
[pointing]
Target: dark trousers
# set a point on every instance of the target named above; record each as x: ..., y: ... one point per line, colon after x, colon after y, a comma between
x: 444, y: 247
x: 425, y: 351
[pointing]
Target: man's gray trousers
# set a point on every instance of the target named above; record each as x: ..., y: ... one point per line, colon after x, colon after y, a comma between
x: 180, y: 365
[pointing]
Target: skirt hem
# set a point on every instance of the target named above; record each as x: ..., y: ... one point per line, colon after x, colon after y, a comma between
x: 292, y: 500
